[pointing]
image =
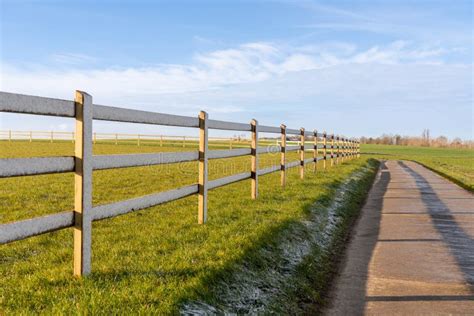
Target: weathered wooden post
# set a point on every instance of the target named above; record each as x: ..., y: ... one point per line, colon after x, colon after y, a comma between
x: 184, y: 141
x: 161, y: 140
x: 352, y: 148
x: 31, y: 136
x: 315, y: 153
x: 283, y: 155
x: 254, y: 153
x: 325, y: 139
x: 337, y: 149
x: 302, y: 153
x: 202, y: 185
x: 341, y: 155
x: 346, y: 148
x: 116, y: 139
x: 138, y: 139
x: 52, y: 136
x: 343, y: 149
x: 332, y: 150
x: 349, y: 148
x: 83, y: 184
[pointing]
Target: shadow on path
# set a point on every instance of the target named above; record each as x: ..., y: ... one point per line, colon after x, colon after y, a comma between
x: 354, y: 295
x: 460, y: 244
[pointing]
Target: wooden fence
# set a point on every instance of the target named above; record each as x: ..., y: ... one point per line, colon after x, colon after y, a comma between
x: 334, y: 148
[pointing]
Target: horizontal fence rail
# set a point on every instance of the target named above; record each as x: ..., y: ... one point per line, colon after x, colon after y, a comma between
x: 123, y: 138
x: 321, y: 146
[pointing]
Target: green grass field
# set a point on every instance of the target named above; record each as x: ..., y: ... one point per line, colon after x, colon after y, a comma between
x: 156, y: 260
x: 454, y: 164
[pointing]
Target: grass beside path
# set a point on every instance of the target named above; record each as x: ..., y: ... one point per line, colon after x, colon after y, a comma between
x: 454, y: 164
x: 157, y: 259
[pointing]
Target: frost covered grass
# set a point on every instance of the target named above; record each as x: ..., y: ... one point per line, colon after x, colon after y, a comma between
x: 455, y: 164
x: 159, y: 260
x: 291, y: 272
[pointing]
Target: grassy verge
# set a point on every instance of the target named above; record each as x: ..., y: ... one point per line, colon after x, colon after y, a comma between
x: 456, y: 165
x: 156, y: 260
x: 290, y: 270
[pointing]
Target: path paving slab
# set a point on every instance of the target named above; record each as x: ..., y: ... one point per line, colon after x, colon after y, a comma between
x: 412, y: 250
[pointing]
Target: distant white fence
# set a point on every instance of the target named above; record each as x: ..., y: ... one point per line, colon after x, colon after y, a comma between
x: 118, y: 138
x: 83, y: 111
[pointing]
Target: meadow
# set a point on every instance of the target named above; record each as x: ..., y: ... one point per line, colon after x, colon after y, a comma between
x: 454, y: 164
x: 159, y: 259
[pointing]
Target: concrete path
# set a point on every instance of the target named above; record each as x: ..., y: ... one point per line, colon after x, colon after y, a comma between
x: 412, y: 250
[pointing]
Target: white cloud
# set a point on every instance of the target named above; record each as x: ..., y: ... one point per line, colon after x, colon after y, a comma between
x: 72, y: 59
x: 262, y: 79
x: 252, y: 62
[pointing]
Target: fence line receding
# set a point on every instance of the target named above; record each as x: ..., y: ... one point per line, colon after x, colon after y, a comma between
x: 83, y: 163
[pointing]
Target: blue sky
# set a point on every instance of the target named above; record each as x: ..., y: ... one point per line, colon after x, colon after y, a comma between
x: 371, y: 67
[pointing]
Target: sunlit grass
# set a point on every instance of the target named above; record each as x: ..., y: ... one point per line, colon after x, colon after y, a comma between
x: 154, y: 259
x: 455, y: 164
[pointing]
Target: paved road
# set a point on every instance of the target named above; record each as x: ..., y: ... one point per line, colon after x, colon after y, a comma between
x: 412, y: 251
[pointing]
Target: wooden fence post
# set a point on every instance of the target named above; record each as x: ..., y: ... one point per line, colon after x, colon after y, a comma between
x: 83, y: 184
x: 355, y: 148
x: 325, y: 138
x: 230, y: 143
x: 349, y: 149
x: 337, y: 149
x: 10, y: 135
x: 343, y: 149
x: 352, y: 148
x: 116, y: 139
x: 52, y: 136
x: 302, y: 153
x: 161, y: 140
x: 203, y: 148
x: 138, y: 139
x: 315, y: 153
x: 31, y: 136
x: 283, y: 155
x: 254, y: 152
x: 184, y: 141
x: 72, y: 137
x: 332, y: 150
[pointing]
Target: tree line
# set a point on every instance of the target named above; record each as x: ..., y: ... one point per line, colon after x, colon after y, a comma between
x: 424, y: 140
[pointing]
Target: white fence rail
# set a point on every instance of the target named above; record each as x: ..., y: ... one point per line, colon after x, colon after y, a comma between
x: 323, y: 147
x: 121, y: 138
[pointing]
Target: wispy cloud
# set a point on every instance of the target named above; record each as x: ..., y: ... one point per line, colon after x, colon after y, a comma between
x: 73, y: 59
x: 262, y: 79
x: 251, y: 62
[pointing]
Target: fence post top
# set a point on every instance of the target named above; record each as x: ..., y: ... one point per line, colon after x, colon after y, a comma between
x: 302, y: 129
x: 82, y: 92
x: 254, y: 122
x: 203, y: 115
x: 81, y: 96
x: 283, y: 126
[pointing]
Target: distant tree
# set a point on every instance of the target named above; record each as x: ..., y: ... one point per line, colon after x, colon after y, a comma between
x: 441, y: 141
x: 398, y: 139
x: 457, y: 142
